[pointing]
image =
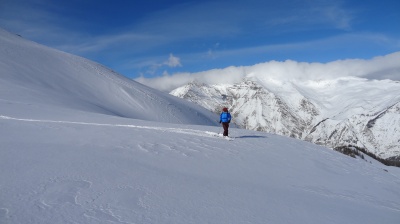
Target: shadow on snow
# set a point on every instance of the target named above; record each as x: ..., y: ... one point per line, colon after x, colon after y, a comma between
x: 251, y: 136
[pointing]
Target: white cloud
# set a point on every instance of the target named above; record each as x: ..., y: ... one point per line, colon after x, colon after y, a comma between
x: 173, y: 61
x: 382, y: 67
x: 154, y: 65
x: 167, y: 82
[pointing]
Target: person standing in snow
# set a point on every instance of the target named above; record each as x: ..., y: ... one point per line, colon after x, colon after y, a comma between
x: 225, y: 119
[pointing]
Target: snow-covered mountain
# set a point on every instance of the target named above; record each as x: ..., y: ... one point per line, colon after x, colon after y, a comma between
x: 36, y: 77
x: 335, y: 112
x: 82, y: 144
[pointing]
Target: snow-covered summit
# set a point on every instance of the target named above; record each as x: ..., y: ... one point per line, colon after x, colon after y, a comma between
x: 333, y: 112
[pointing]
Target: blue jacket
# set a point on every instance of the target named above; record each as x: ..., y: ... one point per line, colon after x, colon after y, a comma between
x: 225, y: 117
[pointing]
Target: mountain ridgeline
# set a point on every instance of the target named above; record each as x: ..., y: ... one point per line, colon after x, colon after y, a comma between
x: 356, y: 113
x: 36, y: 78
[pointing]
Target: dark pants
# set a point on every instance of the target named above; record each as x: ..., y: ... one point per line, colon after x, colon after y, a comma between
x: 225, y: 125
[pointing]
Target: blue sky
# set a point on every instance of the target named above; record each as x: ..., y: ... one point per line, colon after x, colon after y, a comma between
x: 154, y: 38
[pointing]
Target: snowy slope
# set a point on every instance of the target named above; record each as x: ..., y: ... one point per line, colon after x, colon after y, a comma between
x: 71, y: 151
x: 36, y: 77
x: 129, y: 171
x: 332, y: 112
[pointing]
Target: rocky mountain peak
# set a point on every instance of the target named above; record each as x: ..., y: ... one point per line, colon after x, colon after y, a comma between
x: 335, y: 116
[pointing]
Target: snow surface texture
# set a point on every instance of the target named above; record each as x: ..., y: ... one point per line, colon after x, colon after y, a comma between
x: 71, y: 151
x: 337, y: 112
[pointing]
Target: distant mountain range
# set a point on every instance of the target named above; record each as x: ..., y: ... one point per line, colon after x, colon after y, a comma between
x: 346, y: 111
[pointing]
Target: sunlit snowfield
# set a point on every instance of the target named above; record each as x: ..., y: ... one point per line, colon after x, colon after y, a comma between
x: 80, y: 144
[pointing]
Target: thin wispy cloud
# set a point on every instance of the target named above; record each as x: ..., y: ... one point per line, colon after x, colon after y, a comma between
x: 330, y: 12
x: 135, y: 39
x: 172, y: 23
x: 339, y: 41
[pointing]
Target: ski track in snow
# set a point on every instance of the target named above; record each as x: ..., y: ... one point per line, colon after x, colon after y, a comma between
x: 75, y: 195
x: 175, y: 130
x: 77, y: 198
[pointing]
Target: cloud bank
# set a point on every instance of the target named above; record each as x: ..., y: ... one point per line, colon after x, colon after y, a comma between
x: 382, y: 67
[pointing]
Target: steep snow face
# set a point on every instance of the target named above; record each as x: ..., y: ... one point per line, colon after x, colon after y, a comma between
x: 338, y: 112
x: 35, y: 76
